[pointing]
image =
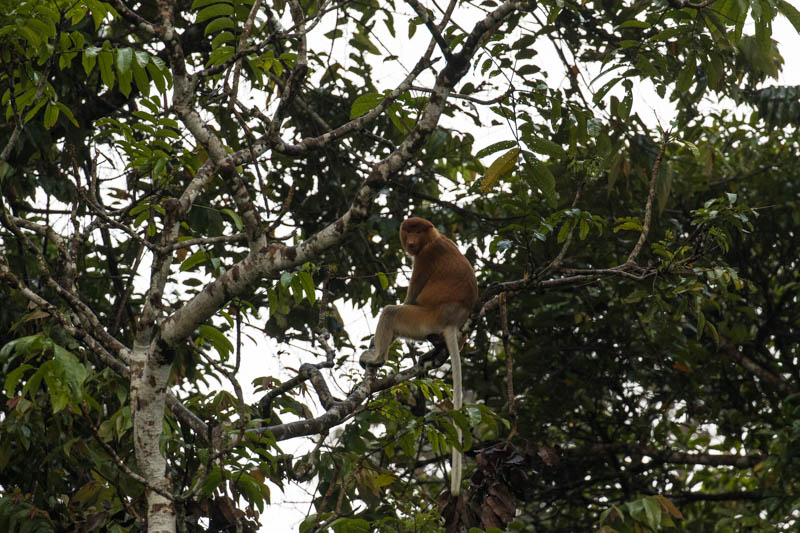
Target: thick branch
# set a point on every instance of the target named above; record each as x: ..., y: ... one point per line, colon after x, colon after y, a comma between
x: 337, y: 411
x: 775, y: 380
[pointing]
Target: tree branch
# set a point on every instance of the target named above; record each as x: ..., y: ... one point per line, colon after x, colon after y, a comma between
x: 435, y: 33
x: 648, y: 210
x: 668, y: 456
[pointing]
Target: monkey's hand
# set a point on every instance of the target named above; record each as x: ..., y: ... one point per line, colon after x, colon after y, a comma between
x: 371, y: 358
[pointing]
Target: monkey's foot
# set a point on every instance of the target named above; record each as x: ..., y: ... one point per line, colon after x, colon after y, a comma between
x: 370, y: 358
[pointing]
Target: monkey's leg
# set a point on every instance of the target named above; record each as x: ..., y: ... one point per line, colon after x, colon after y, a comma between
x: 409, y: 321
x: 384, y: 335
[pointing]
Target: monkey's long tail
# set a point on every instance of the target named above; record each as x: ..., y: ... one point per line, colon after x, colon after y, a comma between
x: 456, y: 465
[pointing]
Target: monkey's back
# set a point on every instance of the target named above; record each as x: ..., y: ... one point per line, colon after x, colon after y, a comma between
x: 451, y: 279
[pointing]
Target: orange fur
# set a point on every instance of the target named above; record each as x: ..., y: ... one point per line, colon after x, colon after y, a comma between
x: 441, y: 294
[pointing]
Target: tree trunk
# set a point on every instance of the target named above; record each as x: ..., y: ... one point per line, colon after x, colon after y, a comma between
x: 148, y: 394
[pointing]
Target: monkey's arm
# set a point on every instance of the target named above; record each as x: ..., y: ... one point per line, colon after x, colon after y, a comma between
x: 419, y: 277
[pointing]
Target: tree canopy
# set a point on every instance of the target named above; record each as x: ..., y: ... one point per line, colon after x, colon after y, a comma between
x: 184, y: 182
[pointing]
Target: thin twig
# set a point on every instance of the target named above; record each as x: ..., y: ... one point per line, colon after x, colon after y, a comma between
x: 510, y: 405
x: 648, y: 210
x: 119, y: 462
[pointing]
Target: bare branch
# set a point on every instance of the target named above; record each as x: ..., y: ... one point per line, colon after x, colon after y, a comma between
x: 134, y: 18
x: 491, y: 101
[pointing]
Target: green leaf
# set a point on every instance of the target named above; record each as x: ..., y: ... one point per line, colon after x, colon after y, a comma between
x: 308, y: 286
x: 350, y: 525
x: 605, y: 88
x: 68, y: 368
x: 364, y: 104
x: 222, y: 23
x: 41, y: 28
x: 652, y: 511
x: 554, y: 12
x: 67, y: 112
x: 125, y: 79
x: 59, y: 395
x: 50, y: 116
x: 791, y: 13
x: 194, y: 260
x: 234, y: 216
x: 401, y: 119
x: 685, y: 76
x: 106, y: 61
x: 141, y: 79
x: 701, y: 324
x: 142, y: 58
x: 217, y: 339
x: 13, y: 378
x: 157, y: 76
x: 297, y: 289
x: 222, y: 38
x: 220, y: 55
x: 712, y: 331
x: 542, y: 178
x: 634, y: 24
x: 197, y: 4
x: 500, y: 167
x: 274, y: 308
x: 628, y: 223
x: 693, y: 148
x: 594, y: 126
x: 362, y: 42
x: 254, y: 491
x: 31, y: 36
x: 384, y: 480
x: 124, y: 60
x: 213, y: 11
x: 384, y: 280
x: 563, y: 233
x: 89, y: 58
x: 584, y: 229
x: 213, y: 480
x: 667, y: 34
x: 496, y: 147
x: 624, y: 108
x: 23, y: 345
x: 543, y: 146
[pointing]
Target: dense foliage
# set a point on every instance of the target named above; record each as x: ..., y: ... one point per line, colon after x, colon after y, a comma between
x: 184, y: 183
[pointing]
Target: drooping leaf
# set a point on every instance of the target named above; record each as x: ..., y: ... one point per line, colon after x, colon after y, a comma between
x: 499, y: 168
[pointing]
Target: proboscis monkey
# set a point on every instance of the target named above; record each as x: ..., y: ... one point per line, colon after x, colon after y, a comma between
x: 442, y: 292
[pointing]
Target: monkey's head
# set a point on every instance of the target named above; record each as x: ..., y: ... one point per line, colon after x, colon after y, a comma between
x: 415, y: 234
